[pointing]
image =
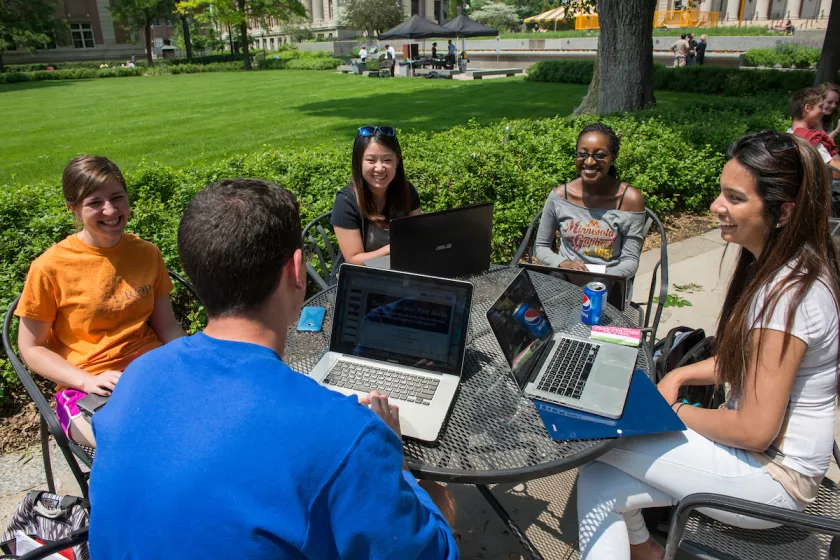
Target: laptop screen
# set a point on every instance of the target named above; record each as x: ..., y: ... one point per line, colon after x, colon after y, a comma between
x: 521, y: 326
x: 411, y: 320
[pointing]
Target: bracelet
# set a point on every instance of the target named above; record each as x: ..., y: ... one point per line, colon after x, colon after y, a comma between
x: 677, y: 411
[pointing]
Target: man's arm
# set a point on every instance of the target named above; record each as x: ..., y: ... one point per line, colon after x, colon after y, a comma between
x: 377, y: 510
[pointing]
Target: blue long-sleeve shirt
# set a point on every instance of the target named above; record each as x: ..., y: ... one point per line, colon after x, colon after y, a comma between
x: 215, y: 449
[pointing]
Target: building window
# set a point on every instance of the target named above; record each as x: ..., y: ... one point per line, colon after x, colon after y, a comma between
x: 415, y: 7
x: 272, y: 43
x: 330, y: 8
x: 82, y: 34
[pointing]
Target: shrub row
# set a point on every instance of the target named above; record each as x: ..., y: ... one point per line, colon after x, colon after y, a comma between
x: 674, y: 156
x: 785, y: 56
x: 205, y: 59
x: 692, y: 79
x: 315, y: 61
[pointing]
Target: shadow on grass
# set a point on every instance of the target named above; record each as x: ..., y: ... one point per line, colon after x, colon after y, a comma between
x: 439, y: 108
x: 21, y: 86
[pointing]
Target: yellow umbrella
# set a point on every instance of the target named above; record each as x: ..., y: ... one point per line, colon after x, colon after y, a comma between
x: 554, y: 15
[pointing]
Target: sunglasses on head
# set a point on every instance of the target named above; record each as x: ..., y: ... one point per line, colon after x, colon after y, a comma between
x: 383, y: 130
x: 776, y: 143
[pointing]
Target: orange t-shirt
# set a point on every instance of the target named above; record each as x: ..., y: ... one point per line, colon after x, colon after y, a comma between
x: 98, y: 300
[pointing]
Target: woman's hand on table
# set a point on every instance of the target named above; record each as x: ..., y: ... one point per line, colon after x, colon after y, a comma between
x: 390, y: 413
x: 572, y: 265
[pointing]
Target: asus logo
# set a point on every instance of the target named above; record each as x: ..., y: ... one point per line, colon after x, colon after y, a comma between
x: 443, y: 247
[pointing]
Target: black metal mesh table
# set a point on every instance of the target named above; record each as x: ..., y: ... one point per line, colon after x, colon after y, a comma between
x: 494, y: 434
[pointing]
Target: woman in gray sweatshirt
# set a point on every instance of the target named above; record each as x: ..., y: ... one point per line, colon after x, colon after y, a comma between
x: 600, y: 218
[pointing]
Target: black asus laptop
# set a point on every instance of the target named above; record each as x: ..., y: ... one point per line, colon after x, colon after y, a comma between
x: 449, y: 243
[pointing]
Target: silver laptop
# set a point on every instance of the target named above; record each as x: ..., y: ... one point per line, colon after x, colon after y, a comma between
x: 400, y: 334
x: 567, y: 370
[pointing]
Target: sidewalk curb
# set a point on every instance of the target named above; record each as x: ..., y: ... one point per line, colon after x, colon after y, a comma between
x: 682, y: 250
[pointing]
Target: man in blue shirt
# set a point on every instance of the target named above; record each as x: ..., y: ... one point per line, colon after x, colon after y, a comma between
x: 211, y: 447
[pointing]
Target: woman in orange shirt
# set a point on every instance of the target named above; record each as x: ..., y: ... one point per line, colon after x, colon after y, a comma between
x: 95, y: 301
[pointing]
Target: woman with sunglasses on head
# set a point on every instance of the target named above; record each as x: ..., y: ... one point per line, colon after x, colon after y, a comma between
x: 600, y: 217
x: 777, y: 349
x: 378, y: 192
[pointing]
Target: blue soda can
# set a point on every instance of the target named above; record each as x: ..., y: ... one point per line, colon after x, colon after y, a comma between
x: 594, y: 303
x: 532, y: 320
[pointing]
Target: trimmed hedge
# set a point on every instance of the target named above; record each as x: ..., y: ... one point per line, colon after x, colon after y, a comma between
x: 314, y: 61
x: 674, y: 156
x: 691, y: 79
x: 786, y: 55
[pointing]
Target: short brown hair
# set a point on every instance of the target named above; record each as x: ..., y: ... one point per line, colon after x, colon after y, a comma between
x: 799, y: 99
x: 85, y: 174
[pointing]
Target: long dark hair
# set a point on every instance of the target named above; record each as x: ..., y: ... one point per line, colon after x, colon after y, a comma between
x: 612, y: 137
x: 828, y: 120
x: 795, y: 175
x: 397, y: 199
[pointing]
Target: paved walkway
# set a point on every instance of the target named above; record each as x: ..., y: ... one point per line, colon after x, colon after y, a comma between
x: 545, y: 508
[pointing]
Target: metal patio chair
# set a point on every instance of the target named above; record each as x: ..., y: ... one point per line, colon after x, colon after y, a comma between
x: 648, y: 320
x: 809, y: 534
x: 74, y: 453
x: 320, y: 252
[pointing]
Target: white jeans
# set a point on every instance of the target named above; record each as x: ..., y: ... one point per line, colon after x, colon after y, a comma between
x: 660, y: 470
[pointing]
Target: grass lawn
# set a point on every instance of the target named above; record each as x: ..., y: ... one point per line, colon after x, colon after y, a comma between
x: 175, y: 119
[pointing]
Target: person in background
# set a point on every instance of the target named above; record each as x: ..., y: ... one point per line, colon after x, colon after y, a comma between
x: 806, y: 116
x: 378, y: 192
x: 452, y: 53
x: 692, y: 46
x: 390, y: 52
x: 95, y: 301
x: 130, y: 64
x: 680, y: 49
x: 789, y: 28
x: 700, y: 50
x: 776, y: 349
x: 434, y: 50
x: 363, y: 53
x: 830, y: 109
x: 287, y: 469
x: 600, y: 218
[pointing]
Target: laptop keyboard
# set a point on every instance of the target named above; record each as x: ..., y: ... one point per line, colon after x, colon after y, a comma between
x: 396, y: 384
x: 569, y: 369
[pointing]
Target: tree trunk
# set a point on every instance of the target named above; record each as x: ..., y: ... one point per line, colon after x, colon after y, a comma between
x: 230, y: 40
x: 2, y: 64
x: 589, y: 105
x: 148, y: 30
x: 187, y: 42
x: 243, y: 34
x: 830, y: 57
x: 626, y: 59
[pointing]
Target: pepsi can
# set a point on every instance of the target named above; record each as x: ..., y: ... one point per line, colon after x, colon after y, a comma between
x: 532, y: 320
x: 594, y: 303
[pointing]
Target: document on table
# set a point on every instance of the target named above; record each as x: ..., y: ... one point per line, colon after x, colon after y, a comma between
x: 597, y: 268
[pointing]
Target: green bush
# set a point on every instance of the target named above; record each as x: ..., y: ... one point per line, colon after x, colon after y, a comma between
x: 691, y: 79
x: 314, y: 63
x: 785, y: 55
x: 673, y: 155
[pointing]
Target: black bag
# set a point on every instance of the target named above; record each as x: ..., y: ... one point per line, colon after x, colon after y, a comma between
x: 684, y: 346
x: 50, y: 518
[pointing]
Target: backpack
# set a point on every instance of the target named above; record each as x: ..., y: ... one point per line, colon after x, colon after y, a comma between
x: 684, y: 346
x: 48, y: 518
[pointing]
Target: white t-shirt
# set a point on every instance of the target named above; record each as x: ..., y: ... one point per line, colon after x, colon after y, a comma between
x: 826, y: 157
x: 363, y: 53
x: 393, y: 52
x: 807, y: 435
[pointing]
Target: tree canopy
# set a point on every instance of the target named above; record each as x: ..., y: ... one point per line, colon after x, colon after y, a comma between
x: 371, y: 16
x: 136, y: 15
x: 29, y: 24
x: 498, y: 16
x: 239, y: 13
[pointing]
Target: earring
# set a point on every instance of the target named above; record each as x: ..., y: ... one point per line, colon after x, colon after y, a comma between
x: 779, y: 225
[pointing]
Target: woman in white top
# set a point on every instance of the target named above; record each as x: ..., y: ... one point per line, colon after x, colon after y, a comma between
x: 777, y: 348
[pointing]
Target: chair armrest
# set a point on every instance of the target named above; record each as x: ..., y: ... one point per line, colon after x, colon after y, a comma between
x: 773, y: 514
x: 525, y: 241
